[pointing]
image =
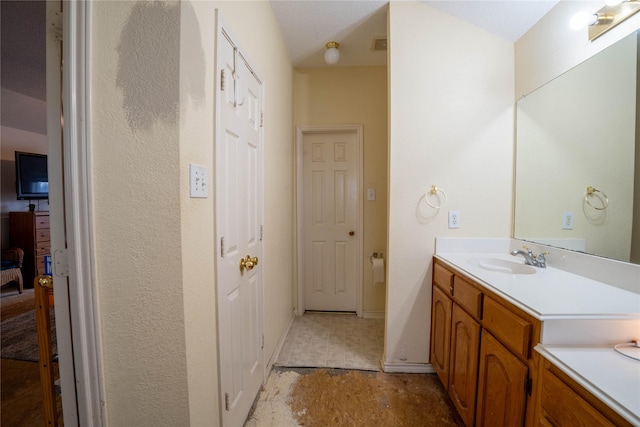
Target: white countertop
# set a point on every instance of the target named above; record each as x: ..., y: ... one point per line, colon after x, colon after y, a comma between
x: 575, y: 309
x: 609, y: 376
x: 550, y: 293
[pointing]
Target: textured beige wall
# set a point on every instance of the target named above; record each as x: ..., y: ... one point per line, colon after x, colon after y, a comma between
x: 354, y: 95
x: 152, y: 114
x: 197, y: 50
x: 451, y: 124
x: 136, y: 176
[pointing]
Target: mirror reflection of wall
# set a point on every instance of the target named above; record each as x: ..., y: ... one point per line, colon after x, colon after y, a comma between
x: 579, y: 130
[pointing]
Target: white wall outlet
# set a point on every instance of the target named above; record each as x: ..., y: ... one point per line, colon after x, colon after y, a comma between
x: 371, y: 194
x: 567, y: 220
x: 198, y: 181
x: 454, y: 219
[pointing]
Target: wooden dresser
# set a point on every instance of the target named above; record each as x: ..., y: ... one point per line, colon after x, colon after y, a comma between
x: 30, y: 232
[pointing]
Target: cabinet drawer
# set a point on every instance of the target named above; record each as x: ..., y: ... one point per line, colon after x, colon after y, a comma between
x: 43, y: 248
x: 40, y: 264
x: 43, y: 235
x: 508, y: 327
x: 443, y: 278
x: 468, y: 296
x: 42, y: 221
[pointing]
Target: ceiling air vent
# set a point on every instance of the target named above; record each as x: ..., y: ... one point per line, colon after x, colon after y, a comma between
x: 379, y: 43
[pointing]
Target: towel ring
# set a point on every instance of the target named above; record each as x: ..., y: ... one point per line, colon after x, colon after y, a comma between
x: 435, y: 190
x: 591, y: 192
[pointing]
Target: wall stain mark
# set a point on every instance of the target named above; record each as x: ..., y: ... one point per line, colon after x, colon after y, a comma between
x: 149, y: 63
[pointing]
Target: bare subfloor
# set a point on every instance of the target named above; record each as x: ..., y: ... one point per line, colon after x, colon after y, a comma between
x: 335, y: 397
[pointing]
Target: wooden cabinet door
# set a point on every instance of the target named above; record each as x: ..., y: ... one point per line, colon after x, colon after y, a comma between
x: 463, y: 366
x: 501, y: 386
x: 440, y: 334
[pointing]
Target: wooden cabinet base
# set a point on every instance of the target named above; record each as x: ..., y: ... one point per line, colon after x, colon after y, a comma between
x: 563, y: 402
x: 482, y: 350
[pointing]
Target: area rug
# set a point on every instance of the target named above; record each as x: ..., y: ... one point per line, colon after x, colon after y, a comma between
x: 19, y: 337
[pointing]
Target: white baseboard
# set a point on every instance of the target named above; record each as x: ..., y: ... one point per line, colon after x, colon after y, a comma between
x: 408, y: 368
x: 276, y: 353
x: 373, y: 314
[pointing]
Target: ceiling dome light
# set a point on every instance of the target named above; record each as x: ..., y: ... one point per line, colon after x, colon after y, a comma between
x: 332, y: 54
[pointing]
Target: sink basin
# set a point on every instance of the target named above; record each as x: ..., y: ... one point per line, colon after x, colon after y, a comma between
x: 505, y: 266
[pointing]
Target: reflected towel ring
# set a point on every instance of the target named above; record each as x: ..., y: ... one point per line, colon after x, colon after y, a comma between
x: 591, y: 192
x: 435, y: 190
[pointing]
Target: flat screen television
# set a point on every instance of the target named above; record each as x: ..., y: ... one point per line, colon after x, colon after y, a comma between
x: 32, y: 179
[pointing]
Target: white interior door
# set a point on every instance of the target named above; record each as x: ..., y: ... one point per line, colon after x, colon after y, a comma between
x: 331, y: 229
x: 239, y: 231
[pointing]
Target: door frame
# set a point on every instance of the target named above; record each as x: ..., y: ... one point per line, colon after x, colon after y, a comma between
x: 301, y: 131
x: 81, y: 374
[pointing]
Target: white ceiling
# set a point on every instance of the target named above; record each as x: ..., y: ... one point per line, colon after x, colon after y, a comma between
x: 307, y: 25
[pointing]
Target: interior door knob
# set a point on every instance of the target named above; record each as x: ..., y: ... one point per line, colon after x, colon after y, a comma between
x: 351, y: 233
x: 248, y: 263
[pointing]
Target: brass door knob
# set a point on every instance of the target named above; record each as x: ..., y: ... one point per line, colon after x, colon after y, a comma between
x: 248, y: 263
x: 351, y: 233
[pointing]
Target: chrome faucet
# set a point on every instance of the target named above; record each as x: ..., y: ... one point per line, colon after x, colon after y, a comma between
x: 531, y: 259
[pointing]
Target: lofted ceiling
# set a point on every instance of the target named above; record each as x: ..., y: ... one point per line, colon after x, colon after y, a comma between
x: 307, y: 25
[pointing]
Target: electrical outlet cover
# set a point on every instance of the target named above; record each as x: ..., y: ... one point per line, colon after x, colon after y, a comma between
x: 568, y: 219
x: 454, y: 219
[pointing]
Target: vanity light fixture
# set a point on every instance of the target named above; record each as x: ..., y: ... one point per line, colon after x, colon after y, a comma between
x: 332, y: 54
x: 613, y: 13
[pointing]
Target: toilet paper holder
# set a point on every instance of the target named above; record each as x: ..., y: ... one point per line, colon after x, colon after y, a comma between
x: 375, y: 255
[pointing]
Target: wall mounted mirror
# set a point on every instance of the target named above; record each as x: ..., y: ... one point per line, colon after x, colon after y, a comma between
x: 578, y: 131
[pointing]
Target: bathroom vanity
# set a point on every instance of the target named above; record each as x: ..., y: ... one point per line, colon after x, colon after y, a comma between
x: 519, y: 345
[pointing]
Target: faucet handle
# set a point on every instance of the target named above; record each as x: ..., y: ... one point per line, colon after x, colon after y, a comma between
x: 526, y: 248
x: 542, y: 260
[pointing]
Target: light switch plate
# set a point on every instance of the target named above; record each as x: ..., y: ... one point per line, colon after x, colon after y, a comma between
x: 371, y: 194
x: 198, y: 181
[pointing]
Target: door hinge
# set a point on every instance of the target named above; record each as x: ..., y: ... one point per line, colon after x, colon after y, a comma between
x: 528, y: 385
x: 223, y: 80
x: 60, y: 263
x: 55, y: 25
x: 261, y: 118
x: 222, y: 247
x: 226, y: 401
x: 261, y: 231
x: 263, y: 341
